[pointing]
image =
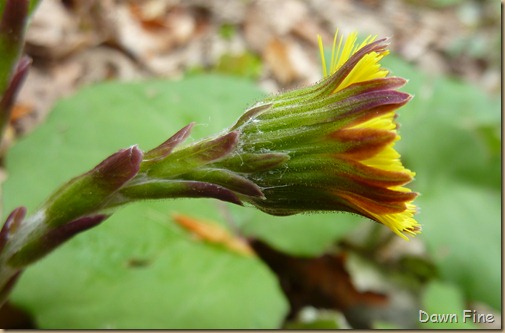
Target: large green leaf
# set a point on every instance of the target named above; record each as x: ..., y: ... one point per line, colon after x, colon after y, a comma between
x: 462, y: 228
x: 139, y: 270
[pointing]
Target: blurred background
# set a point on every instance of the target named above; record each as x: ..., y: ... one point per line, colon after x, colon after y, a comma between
x: 318, y: 275
x: 76, y: 43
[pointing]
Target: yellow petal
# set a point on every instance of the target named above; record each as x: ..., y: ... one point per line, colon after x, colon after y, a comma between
x: 367, y: 68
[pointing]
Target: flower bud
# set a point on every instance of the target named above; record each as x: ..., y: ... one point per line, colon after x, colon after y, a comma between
x: 332, y: 143
x: 89, y: 192
x: 11, y: 224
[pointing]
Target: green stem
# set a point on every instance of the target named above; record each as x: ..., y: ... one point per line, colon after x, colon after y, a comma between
x: 124, y: 177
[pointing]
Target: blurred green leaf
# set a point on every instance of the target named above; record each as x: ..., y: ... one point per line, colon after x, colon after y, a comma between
x: 227, y: 31
x: 310, y: 318
x: 450, y: 133
x: 446, y: 3
x: 461, y: 224
x: 383, y: 325
x: 318, y: 324
x: 444, y: 304
x: 301, y: 235
x: 138, y: 270
x: 246, y: 64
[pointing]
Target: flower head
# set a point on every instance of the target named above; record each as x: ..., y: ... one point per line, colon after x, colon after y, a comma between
x: 336, y: 139
x: 326, y: 147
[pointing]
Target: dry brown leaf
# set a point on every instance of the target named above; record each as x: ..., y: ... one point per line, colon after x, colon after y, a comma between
x: 289, y: 63
x: 321, y: 282
x: 41, y: 96
x: 54, y: 33
x: 269, y: 19
x: 213, y: 233
x: 21, y: 110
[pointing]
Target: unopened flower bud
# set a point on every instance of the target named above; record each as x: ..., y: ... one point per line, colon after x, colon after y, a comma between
x: 89, y: 192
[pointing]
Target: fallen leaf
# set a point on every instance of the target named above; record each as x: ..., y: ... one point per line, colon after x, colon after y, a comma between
x: 21, y: 110
x: 213, y: 233
x: 289, y: 62
x: 321, y: 282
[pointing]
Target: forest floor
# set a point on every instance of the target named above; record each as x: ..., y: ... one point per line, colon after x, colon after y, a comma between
x: 76, y: 43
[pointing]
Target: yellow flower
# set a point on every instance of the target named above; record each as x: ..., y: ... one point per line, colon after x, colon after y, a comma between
x: 386, y: 159
x: 326, y: 147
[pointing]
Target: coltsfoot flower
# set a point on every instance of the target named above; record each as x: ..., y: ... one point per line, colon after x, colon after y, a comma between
x: 327, y: 147
x: 332, y: 144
